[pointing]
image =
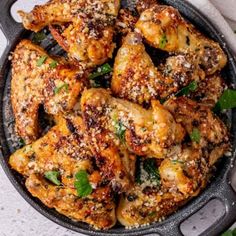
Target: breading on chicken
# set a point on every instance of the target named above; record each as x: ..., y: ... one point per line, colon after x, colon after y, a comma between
x: 112, y: 122
x: 209, y: 90
x: 65, y: 149
x: 88, y: 36
x: 146, y: 203
x: 183, y: 175
x: 135, y: 77
x: 164, y: 28
x: 39, y: 79
x: 199, y: 117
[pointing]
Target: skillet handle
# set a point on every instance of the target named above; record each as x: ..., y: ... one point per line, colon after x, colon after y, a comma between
x: 9, y: 27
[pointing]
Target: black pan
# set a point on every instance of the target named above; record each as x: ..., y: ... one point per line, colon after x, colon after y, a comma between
x: 220, y: 187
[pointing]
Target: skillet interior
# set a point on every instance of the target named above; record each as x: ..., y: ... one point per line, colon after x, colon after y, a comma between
x: 219, y: 187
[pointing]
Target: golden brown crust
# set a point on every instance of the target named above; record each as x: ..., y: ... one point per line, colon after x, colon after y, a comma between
x: 33, y: 85
x: 163, y: 27
x: 65, y: 149
x: 88, y: 34
x: 135, y: 77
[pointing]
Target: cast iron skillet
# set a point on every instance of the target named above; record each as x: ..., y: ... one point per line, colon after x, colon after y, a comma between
x: 219, y: 188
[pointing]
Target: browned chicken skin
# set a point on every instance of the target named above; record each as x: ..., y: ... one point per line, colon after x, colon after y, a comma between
x: 164, y: 28
x: 35, y: 83
x: 65, y: 149
x: 135, y: 77
x: 154, y: 158
x: 88, y: 37
x: 184, y: 173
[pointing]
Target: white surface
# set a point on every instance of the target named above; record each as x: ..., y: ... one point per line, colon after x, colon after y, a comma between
x: 17, y: 218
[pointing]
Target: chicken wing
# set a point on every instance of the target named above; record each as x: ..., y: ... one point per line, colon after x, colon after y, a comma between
x: 144, y: 132
x: 39, y: 79
x: 163, y: 27
x: 88, y: 36
x: 182, y: 177
x: 137, y: 79
x: 209, y: 90
x: 64, y: 150
x: 198, y: 120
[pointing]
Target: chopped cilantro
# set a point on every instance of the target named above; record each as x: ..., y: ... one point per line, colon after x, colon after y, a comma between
x: 64, y: 86
x: 149, y: 165
x: 22, y: 142
x: 226, y: 101
x: 53, y: 176
x: 41, y: 60
x: 82, y: 184
x: 120, y: 130
x: 186, y: 90
x: 195, y: 135
x: 229, y: 233
x: 102, y: 70
x: 53, y: 64
x: 163, y: 41
x: 177, y: 161
x: 138, y: 170
x: 39, y: 37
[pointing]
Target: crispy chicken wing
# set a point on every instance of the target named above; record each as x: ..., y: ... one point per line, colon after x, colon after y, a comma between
x: 164, y: 28
x: 145, y: 132
x: 195, y: 116
x: 137, y: 79
x: 182, y: 176
x: 64, y: 149
x: 88, y: 36
x: 209, y: 90
x: 39, y: 79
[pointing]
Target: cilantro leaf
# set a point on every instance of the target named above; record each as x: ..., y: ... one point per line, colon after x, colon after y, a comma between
x: 229, y: 233
x: 64, y: 86
x: 39, y: 37
x: 195, y: 135
x: 188, y: 89
x: 177, y: 161
x: 149, y: 165
x: 163, y: 41
x: 22, y: 142
x: 53, y: 176
x: 102, y: 70
x: 226, y: 101
x: 120, y: 130
x: 82, y: 184
x: 41, y: 60
x: 138, y: 170
x: 53, y: 64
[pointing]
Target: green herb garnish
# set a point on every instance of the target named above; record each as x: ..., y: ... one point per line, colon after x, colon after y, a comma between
x: 102, y: 70
x: 226, y: 101
x: 82, y: 184
x: 41, y: 60
x: 151, y: 214
x: 188, y: 89
x: 149, y: 165
x: 64, y: 86
x: 195, y: 135
x: 22, y: 142
x: 53, y: 64
x: 138, y: 170
x: 39, y: 37
x: 120, y: 130
x: 53, y: 177
x: 177, y: 161
x: 229, y: 233
x: 163, y: 41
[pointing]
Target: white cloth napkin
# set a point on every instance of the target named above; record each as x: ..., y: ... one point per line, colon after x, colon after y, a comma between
x: 215, y: 10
